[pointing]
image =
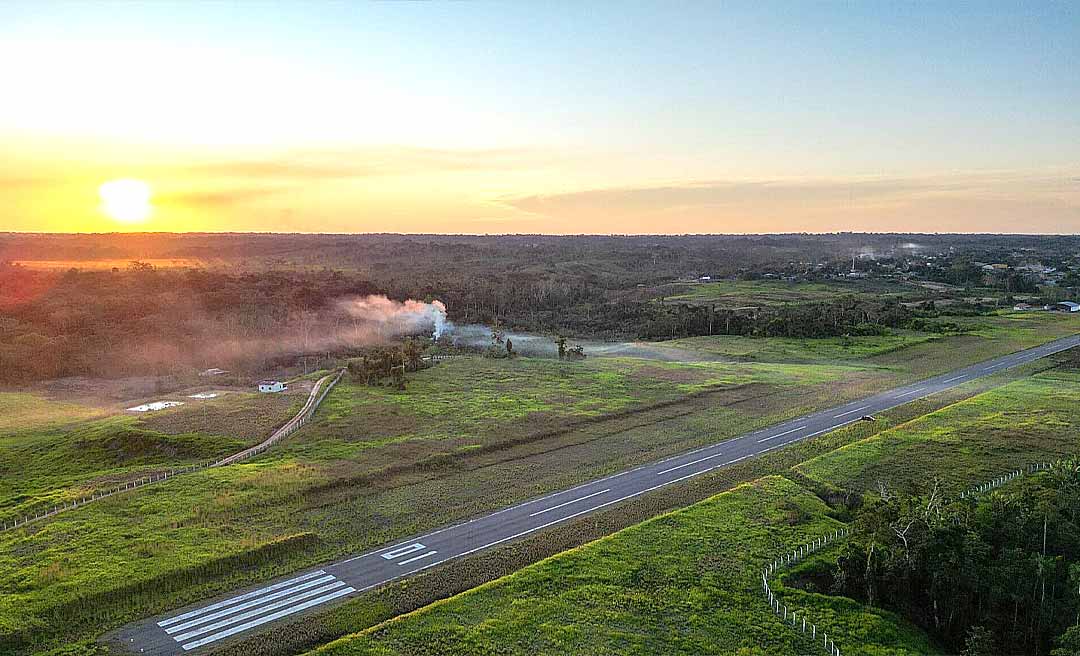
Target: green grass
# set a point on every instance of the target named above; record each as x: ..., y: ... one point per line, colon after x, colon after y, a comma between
x: 1029, y: 420
x: 784, y: 349
x: 56, y: 452
x: 741, y: 293
x: 377, y: 465
x: 24, y: 412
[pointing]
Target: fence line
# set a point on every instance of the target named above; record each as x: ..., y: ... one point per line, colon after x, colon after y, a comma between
x: 813, y: 546
x: 318, y: 392
x: 780, y: 609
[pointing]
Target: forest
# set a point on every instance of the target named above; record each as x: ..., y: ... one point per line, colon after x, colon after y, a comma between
x: 991, y: 574
x: 252, y: 302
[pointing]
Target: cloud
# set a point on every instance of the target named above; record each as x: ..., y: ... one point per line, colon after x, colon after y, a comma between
x: 334, y: 164
x: 999, y: 201
x: 218, y: 199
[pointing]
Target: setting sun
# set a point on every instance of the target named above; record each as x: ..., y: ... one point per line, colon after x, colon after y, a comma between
x: 127, y: 201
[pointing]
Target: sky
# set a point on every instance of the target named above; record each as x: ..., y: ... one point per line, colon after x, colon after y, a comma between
x: 542, y: 117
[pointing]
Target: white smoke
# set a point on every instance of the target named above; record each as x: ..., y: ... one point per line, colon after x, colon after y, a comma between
x: 393, y: 318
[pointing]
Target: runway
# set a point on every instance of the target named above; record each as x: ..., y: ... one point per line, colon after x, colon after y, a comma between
x: 201, y: 626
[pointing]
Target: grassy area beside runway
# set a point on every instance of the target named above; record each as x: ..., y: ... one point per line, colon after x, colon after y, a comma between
x: 378, y: 465
x: 528, y: 613
x: 1028, y: 420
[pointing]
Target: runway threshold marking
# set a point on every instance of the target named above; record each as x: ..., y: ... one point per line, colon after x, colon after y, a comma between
x: 222, y: 619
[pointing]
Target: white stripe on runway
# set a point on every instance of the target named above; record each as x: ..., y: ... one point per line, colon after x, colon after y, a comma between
x: 587, y: 496
x: 773, y: 437
x: 954, y: 378
x: 268, y: 618
x: 233, y: 619
x: 248, y: 604
x: 407, y: 549
x: 692, y: 462
x: 415, y: 558
x: 850, y: 412
x: 233, y: 600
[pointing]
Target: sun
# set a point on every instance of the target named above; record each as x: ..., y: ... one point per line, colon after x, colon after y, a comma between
x: 126, y: 200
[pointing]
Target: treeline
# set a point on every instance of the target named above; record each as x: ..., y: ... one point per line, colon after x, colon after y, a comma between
x: 845, y: 316
x: 996, y: 575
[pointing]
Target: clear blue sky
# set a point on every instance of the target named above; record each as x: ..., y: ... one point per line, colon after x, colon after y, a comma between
x: 592, y: 97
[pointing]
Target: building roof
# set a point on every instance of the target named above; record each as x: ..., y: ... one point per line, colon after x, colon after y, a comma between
x: 271, y: 382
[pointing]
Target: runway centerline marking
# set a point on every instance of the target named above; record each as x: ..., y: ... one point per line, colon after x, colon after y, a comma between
x: 692, y: 462
x: 850, y: 412
x: 954, y: 378
x: 773, y: 437
x: 587, y: 496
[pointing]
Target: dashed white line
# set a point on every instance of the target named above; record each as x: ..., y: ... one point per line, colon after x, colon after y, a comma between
x: 692, y: 462
x: 850, y: 412
x: 416, y: 558
x: 773, y: 437
x: 954, y: 378
x: 587, y: 496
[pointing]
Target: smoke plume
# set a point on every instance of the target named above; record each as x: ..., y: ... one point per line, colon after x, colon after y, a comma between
x: 394, y: 318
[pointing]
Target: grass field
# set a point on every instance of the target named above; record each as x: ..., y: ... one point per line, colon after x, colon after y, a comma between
x: 1030, y: 420
x: 742, y: 293
x: 53, y: 452
x: 598, y: 596
x: 377, y: 465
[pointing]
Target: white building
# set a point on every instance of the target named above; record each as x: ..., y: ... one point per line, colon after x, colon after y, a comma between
x: 272, y: 386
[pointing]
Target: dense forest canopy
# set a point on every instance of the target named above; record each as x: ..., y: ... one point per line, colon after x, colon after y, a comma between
x: 113, y: 305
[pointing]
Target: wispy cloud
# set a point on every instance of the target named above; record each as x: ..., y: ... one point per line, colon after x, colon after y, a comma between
x: 999, y: 201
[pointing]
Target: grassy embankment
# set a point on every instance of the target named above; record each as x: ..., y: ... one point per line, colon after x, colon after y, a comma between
x: 53, y: 452
x: 687, y: 581
x: 378, y: 465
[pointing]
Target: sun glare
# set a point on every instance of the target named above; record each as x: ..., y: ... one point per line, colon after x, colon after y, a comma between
x: 127, y: 201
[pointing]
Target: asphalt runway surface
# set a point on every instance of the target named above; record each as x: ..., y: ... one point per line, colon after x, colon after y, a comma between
x: 200, y: 627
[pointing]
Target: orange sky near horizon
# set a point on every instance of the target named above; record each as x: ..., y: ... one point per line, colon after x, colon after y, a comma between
x: 610, y: 118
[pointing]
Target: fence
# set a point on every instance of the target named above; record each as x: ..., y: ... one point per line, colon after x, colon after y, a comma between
x: 319, y: 391
x: 781, y: 610
x: 795, y: 556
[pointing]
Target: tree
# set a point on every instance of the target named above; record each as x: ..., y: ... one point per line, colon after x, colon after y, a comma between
x: 980, y: 642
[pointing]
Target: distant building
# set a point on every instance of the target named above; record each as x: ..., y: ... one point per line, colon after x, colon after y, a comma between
x: 1023, y: 307
x: 1064, y: 306
x: 272, y: 386
x: 705, y: 278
